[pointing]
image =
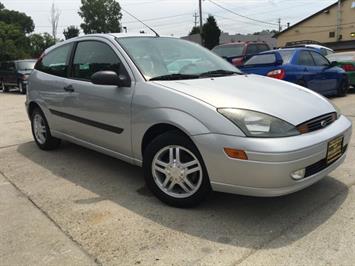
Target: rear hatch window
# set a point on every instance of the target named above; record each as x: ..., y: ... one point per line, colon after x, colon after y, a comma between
x: 261, y: 59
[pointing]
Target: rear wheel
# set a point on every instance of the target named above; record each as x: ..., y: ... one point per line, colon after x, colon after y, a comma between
x: 3, y: 87
x: 22, y: 88
x: 343, y: 89
x: 41, y: 132
x: 174, y: 170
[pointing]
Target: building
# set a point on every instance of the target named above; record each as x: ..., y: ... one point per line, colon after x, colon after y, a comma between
x: 226, y: 38
x: 333, y: 26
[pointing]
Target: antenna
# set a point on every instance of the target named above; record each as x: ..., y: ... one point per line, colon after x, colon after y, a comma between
x: 141, y: 22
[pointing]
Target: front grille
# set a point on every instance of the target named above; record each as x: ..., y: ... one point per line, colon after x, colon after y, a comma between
x: 317, y: 123
x: 320, y: 165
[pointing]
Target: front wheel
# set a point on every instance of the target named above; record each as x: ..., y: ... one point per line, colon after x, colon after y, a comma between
x: 174, y: 170
x: 41, y: 132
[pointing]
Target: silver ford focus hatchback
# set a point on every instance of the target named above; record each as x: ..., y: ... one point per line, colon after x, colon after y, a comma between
x: 194, y: 122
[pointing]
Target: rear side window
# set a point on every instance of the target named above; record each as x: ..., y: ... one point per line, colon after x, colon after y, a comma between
x: 252, y: 49
x: 305, y: 59
x: 229, y: 50
x: 261, y: 59
x: 93, y: 56
x: 56, y: 62
x: 319, y: 59
x: 262, y: 48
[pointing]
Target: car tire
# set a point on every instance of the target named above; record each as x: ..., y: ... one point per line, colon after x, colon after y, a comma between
x: 3, y: 87
x: 302, y: 83
x: 343, y: 89
x: 41, y: 132
x: 177, y: 180
x: 21, y: 88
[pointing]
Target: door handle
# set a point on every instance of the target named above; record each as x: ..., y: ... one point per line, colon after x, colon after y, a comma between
x: 69, y: 88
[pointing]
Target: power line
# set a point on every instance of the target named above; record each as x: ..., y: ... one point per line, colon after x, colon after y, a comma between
x: 239, y: 15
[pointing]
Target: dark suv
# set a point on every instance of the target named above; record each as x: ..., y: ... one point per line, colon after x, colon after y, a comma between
x: 238, y: 53
x: 15, y: 74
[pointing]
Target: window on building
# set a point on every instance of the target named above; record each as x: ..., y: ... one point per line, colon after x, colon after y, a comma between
x: 331, y: 34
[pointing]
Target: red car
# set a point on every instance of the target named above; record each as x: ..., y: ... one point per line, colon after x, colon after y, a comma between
x: 238, y: 53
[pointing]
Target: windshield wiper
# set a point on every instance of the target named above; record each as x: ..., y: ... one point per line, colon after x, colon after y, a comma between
x: 219, y: 72
x: 175, y: 77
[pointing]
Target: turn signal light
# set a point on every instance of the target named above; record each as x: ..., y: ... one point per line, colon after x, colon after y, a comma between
x: 277, y: 74
x: 236, y: 154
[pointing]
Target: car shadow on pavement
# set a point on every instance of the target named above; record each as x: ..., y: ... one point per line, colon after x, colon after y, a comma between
x: 223, y: 218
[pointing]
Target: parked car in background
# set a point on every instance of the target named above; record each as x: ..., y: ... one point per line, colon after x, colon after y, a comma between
x: 302, y: 66
x: 346, y: 61
x: 239, y: 52
x: 14, y: 74
x: 204, y: 127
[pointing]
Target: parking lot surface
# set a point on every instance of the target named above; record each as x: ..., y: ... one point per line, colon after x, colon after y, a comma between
x: 74, y: 206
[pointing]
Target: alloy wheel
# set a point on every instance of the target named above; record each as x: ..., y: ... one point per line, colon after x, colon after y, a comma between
x: 177, y: 171
x: 39, y: 129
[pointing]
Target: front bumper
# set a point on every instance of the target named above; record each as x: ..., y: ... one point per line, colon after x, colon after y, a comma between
x: 270, y: 161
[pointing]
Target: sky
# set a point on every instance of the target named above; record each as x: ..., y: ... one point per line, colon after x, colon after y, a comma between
x: 175, y: 17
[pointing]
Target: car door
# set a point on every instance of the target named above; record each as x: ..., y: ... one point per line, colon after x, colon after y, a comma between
x: 11, y: 74
x: 98, y: 114
x: 327, y: 76
x: 307, y: 72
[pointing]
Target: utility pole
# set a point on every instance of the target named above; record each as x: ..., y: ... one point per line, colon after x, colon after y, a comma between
x: 195, y: 17
x: 200, y: 9
x: 280, y: 27
x: 338, y: 29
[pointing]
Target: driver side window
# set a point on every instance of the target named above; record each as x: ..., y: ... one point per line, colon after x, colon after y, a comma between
x: 93, y: 56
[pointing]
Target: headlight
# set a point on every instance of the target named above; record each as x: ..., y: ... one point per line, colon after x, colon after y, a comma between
x: 255, y: 124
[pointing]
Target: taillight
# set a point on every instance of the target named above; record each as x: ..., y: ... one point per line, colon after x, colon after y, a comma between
x: 237, y: 61
x: 277, y: 74
x: 348, y: 67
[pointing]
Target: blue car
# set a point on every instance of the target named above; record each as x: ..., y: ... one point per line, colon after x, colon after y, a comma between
x: 302, y: 66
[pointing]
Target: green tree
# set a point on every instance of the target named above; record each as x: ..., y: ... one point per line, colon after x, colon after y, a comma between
x: 13, y: 17
x: 100, y: 16
x: 210, y: 33
x: 39, y: 43
x: 71, y: 32
x: 194, y: 30
x: 13, y: 42
x: 1, y: 6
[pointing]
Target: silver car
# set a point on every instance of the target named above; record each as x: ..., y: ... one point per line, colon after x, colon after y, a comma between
x: 194, y: 122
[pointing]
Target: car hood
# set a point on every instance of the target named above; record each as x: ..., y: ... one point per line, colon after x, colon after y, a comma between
x: 281, y: 99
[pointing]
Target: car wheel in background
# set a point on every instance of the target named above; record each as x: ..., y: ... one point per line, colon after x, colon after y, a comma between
x: 41, y: 132
x: 174, y: 170
x: 3, y: 87
x: 343, y: 89
x: 22, y: 88
x: 302, y: 83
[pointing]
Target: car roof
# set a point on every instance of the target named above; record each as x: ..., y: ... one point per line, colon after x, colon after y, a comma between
x: 242, y: 43
x: 106, y: 36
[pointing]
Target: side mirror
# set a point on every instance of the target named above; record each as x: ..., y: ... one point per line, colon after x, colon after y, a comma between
x: 110, y: 78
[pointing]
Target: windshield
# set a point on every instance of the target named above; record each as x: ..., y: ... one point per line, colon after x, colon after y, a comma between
x: 162, y: 56
x: 26, y: 65
x: 234, y: 50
